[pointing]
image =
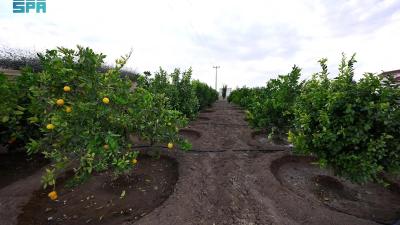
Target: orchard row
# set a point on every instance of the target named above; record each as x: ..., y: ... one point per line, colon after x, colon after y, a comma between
x: 351, y: 125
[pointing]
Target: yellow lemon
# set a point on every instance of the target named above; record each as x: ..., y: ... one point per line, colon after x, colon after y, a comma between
x: 106, y: 100
x: 68, y: 109
x: 134, y: 161
x: 67, y: 88
x: 170, y: 145
x: 50, y: 126
x: 53, y: 195
x: 60, y: 102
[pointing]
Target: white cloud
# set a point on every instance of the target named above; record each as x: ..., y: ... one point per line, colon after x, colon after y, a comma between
x: 252, y: 41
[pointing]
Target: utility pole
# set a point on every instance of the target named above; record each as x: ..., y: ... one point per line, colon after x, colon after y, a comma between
x: 216, y: 76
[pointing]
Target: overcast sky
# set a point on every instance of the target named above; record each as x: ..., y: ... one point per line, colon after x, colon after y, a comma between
x: 252, y: 41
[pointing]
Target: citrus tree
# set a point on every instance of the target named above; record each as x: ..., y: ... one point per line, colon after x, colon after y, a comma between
x: 245, y: 96
x: 8, y: 110
x: 183, y: 97
x: 270, y: 108
x: 182, y: 93
x: 352, y: 126
x: 16, y: 122
x: 273, y: 110
x: 205, y: 94
x: 86, y: 116
x: 157, y: 123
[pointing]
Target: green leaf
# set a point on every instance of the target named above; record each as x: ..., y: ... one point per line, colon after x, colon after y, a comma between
x: 4, y: 119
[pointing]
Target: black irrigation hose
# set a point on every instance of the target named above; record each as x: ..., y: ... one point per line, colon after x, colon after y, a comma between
x: 236, y: 150
x: 261, y: 150
x: 206, y: 150
x: 148, y: 146
x: 221, y: 124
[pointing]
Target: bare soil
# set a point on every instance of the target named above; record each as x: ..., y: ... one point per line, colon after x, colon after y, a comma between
x: 368, y: 201
x: 18, y: 165
x: 101, y: 200
x: 233, y: 177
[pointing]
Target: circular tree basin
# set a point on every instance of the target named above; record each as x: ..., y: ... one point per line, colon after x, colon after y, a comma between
x: 260, y: 139
x: 371, y: 201
x: 100, y: 200
x: 190, y: 134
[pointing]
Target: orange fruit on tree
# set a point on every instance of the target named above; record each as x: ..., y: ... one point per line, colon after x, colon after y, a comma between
x: 106, y: 147
x: 53, y: 195
x: 60, y: 102
x: 67, y: 88
x: 106, y: 100
x: 170, y: 145
x: 50, y: 126
x: 68, y: 109
x: 134, y: 161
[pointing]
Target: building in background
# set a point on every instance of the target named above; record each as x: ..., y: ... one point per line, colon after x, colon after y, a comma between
x: 395, y: 73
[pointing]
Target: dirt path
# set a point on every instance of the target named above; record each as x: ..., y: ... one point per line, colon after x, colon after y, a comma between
x: 227, y: 181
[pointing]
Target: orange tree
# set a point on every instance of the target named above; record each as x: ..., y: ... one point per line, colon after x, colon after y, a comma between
x: 352, y: 126
x: 8, y: 110
x: 181, y: 92
x: 16, y: 122
x: 85, y: 116
x: 157, y: 123
x: 270, y: 108
x: 205, y: 94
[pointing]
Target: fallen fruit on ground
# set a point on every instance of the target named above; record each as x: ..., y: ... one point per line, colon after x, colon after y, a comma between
x: 53, y: 195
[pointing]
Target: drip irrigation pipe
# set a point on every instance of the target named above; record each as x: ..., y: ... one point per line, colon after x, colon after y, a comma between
x: 260, y: 150
x: 221, y: 150
x: 221, y: 124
